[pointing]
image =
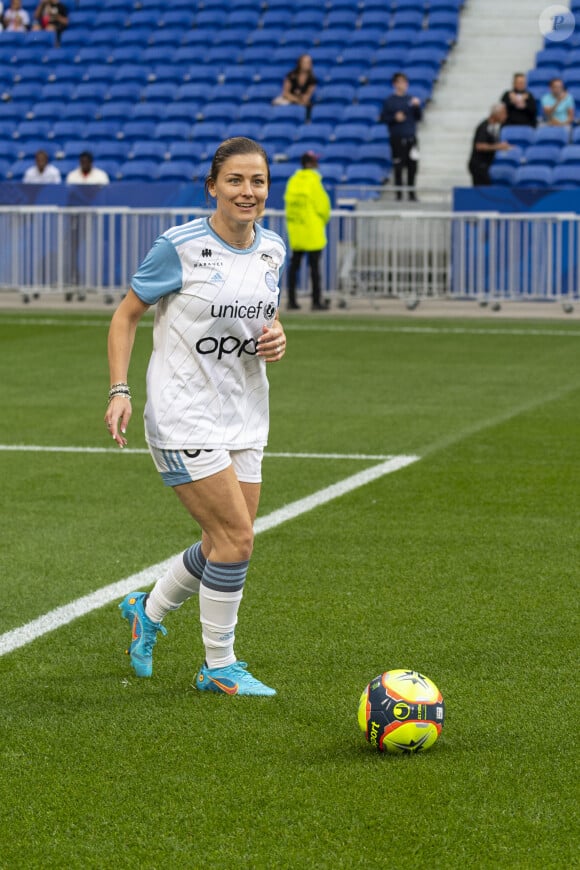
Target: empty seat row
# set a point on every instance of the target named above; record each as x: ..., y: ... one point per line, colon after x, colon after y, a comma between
x: 566, y: 175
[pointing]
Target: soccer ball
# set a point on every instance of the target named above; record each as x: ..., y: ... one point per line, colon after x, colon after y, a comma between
x: 401, y: 711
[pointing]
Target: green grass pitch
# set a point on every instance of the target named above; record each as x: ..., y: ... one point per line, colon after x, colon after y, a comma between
x: 463, y: 565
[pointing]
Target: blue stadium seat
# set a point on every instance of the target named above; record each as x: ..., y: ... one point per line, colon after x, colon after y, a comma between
x: 328, y: 112
x: 147, y: 150
x: 375, y: 152
x: 182, y: 18
x: 17, y: 169
x: 248, y: 18
x: 448, y: 21
x: 518, y: 134
x: 543, y: 155
x: 169, y: 130
x: 429, y: 55
x: 279, y: 132
x: 408, y: 18
x: 73, y: 148
x: 280, y: 172
x: 136, y: 129
x: 138, y: 170
x: 64, y: 130
x: 533, y: 176
x: 541, y: 76
x: 92, y: 91
x: 191, y: 91
x: 315, y: 131
x: 361, y: 113
x: 514, y: 157
x: 335, y: 36
x: 341, y: 93
x: 328, y: 54
x: 401, y: 38
x: 266, y: 91
x: 115, y: 110
x: 129, y: 91
x: 176, y: 170
x: 47, y: 110
x: 80, y: 110
x: 32, y: 130
x: 228, y: 92
x: 567, y: 175
x: 153, y: 111
x: 106, y: 36
x: 339, y: 152
x: 374, y: 94
x: 570, y: 154
x: 332, y: 173
x: 555, y: 135
x: 4, y: 167
x: 378, y: 133
x: 190, y: 150
x: 101, y: 130
x: 502, y: 174
x: 110, y: 149
x: 158, y: 91
x: 342, y: 17
x: 184, y: 110
x: 123, y: 54
x: 224, y: 112
x: 551, y: 58
x: 135, y: 36
x: 29, y: 147
x: 299, y: 39
x: 208, y: 131
x: 372, y: 174
x: 382, y: 74
x: 251, y: 129
x: 351, y: 132
x: 428, y: 37
x: 260, y: 112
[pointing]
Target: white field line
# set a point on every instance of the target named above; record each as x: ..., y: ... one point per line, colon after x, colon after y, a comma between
x: 39, y: 448
x: 69, y: 320
x: 25, y: 634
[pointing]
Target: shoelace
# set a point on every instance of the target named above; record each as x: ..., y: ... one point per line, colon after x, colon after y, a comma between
x: 149, y: 635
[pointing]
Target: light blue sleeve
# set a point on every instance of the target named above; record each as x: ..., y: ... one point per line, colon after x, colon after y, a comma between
x: 159, y: 274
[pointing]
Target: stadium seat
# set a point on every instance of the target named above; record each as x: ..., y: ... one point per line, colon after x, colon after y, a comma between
x: 136, y: 129
x: 407, y: 18
x: 541, y: 76
x: 278, y: 132
x: 533, y: 176
x: 267, y: 91
x: 555, y: 135
x: 73, y: 148
x: 208, y: 131
x: 400, y: 38
x: 567, y: 175
x: 168, y: 130
x: 147, y: 150
x: 447, y: 21
x: 514, y: 157
x: 341, y: 93
x: 154, y: 111
x: 517, y: 134
x: 184, y: 110
x: 251, y: 129
x: 101, y: 130
x: 47, y: 110
x: 176, y: 170
x: 110, y: 149
x: 188, y: 151
x: 502, y: 173
x: 569, y: 155
x: 224, y: 112
x: 360, y: 113
x: 283, y: 171
x: 374, y: 94
x: 543, y: 155
x: 551, y: 58
x: 92, y: 91
x: 375, y: 152
x: 65, y: 130
x: 426, y: 55
x: 32, y: 130
x: 138, y: 170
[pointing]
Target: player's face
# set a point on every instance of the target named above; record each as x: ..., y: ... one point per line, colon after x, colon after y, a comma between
x: 241, y: 188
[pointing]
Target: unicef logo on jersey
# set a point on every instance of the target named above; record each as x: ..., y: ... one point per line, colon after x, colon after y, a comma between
x: 271, y: 282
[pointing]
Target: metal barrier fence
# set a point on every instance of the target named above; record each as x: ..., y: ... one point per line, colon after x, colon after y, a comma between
x: 370, y: 254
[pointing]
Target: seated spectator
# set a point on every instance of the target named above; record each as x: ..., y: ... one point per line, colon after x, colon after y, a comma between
x: 520, y: 103
x: 558, y: 105
x: 486, y: 143
x: 86, y: 173
x: 299, y: 85
x: 16, y: 18
x: 51, y: 16
x: 43, y: 172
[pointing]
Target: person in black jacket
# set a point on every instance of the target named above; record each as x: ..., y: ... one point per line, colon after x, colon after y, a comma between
x: 520, y: 104
x: 486, y: 143
x: 400, y: 113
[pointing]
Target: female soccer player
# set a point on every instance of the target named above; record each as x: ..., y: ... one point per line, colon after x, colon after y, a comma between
x: 215, y: 282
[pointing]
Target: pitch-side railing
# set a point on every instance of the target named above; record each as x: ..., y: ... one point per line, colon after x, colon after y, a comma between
x: 370, y: 254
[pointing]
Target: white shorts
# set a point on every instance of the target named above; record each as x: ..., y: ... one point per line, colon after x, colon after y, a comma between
x: 184, y: 466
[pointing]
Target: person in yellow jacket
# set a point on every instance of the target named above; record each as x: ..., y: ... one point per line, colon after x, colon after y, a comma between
x: 307, y: 207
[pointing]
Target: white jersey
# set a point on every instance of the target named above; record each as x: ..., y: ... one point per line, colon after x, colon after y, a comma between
x: 206, y: 387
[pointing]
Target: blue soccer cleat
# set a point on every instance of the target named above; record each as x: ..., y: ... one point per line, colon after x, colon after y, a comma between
x: 231, y: 680
x: 143, y: 633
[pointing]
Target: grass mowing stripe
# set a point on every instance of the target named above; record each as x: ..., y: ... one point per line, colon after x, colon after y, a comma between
x: 24, y: 635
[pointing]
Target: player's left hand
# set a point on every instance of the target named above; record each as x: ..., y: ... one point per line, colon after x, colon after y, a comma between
x: 272, y: 342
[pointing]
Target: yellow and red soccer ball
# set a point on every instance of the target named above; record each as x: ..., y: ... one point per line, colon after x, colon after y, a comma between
x: 401, y: 711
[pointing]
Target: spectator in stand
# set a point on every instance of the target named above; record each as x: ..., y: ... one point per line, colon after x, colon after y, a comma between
x: 520, y: 104
x: 51, y: 16
x: 558, y: 105
x: 401, y: 113
x: 486, y: 143
x: 86, y: 173
x: 16, y: 18
x: 307, y: 206
x: 299, y: 86
x: 43, y: 172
